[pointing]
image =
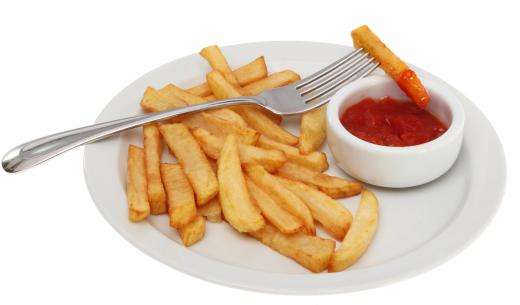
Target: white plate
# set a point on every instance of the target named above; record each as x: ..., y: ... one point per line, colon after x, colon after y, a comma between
x: 420, y: 227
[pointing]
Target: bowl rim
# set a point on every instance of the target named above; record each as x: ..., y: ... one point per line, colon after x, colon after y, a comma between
x: 447, y: 95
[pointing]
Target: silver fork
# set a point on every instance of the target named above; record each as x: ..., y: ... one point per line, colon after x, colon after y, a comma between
x: 299, y: 97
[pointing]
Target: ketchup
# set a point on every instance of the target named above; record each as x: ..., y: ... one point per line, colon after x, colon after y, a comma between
x: 390, y: 122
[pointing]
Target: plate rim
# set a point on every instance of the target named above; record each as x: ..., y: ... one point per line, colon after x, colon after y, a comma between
x: 257, y: 280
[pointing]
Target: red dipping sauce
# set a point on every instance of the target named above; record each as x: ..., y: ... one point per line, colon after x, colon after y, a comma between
x: 390, y: 122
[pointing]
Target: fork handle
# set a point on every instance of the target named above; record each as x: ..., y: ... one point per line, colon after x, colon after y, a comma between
x: 37, y: 151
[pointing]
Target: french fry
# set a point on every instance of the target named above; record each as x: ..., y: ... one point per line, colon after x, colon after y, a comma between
x: 190, y: 99
x: 221, y: 127
x: 255, y: 118
x: 312, y: 252
x: 229, y: 115
x: 192, y: 159
x: 313, y: 129
x: 214, y: 167
x: 212, y: 211
x: 334, y: 218
x: 270, y: 159
x: 181, y: 200
x: 335, y: 187
x: 251, y: 72
x: 136, y: 186
x: 193, y: 232
x: 272, y: 211
x: 234, y: 198
x: 245, y: 75
x: 407, y: 80
x: 210, y: 98
x: 316, y: 161
x: 218, y: 62
x: 290, y: 202
x: 359, y: 235
x: 153, y: 147
x: 200, y: 90
x: 153, y: 101
x: 275, y: 80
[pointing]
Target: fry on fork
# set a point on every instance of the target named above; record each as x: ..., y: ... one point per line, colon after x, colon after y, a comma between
x: 407, y: 80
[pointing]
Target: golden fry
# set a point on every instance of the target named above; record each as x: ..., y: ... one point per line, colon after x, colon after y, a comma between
x: 407, y: 80
x: 334, y: 218
x: 313, y: 129
x: 181, y: 200
x: 359, y: 235
x: 312, y: 252
x: 229, y: 115
x: 271, y: 160
x: 193, y: 232
x: 245, y: 75
x: 234, y: 198
x: 153, y: 147
x: 192, y: 159
x: 255, y: 118
x: 153, y: 101
x: 281, y: 195
x: 190, y: 99
x: 275, y: 80
x: 200, y: 90
x: 136, y: 186
x: 222, y: 128
x: 272, y: 211
x: 212, y: 211
x: 316, y: 161
x: 335, y: 187
x: 219, y: 63
x: 251, y: 72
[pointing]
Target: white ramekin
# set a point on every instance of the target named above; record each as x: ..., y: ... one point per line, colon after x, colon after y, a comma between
x: 395, y: 167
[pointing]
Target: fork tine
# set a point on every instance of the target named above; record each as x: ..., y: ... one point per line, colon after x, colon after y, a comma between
x: 336, y: 84
x: 369, y: 70
x: 351, y: 64
x: 335, y: 65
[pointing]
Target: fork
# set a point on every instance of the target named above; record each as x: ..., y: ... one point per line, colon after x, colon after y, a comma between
x: 295, y: 98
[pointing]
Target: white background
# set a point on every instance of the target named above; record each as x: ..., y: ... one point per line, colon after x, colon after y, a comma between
x: 61, y: 62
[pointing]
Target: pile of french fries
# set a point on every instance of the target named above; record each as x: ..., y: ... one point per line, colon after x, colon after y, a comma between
x: 239, y: 165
